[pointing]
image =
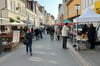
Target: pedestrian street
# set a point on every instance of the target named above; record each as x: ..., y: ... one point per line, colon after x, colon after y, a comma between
x: 46, y: 52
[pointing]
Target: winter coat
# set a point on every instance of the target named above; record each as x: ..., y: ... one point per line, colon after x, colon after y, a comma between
x: 91, y: 33
x: 28, y: 37
x: 65, y: 31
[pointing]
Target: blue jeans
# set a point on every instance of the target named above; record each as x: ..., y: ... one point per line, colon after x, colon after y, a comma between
x: 29, y: 47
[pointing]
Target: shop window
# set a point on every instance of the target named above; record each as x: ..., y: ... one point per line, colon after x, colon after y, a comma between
x: 11, y: 20
x: 11, y: 5
x: 14, y: 27
x: 2, y: 27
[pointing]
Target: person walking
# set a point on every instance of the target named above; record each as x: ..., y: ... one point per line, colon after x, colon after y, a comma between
x: 37, y: 33
x: 92, y: 36
x: 65, y: 31
x: 28, y: 38
x: 58, y: 33
x: 52, y: 33
x: 40, y: 33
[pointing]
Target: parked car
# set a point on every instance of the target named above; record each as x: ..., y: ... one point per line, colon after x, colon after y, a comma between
x: 98, y: 32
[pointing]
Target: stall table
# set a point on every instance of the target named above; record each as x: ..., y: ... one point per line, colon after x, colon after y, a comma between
x: 80, y: 40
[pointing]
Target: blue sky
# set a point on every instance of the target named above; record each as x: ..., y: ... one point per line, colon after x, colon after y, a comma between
x: 51, y: 6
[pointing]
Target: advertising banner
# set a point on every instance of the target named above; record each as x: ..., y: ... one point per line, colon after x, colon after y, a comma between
x: 16, y: 36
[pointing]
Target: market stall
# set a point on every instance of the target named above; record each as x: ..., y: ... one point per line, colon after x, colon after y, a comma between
x: 87, y: 17
x: 8, y: 35
x: 11, y: 41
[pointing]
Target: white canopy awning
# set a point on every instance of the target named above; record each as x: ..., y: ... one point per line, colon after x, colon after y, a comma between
x: 28, y: 22
x: 15, y: 23
x: 88, y: 16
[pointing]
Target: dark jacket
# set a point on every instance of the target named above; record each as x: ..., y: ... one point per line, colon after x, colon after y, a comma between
x: 84, y: 29
x: 92, y: 33
x: 51, y: 31
x: 36, y: 32
x: 28, y: 37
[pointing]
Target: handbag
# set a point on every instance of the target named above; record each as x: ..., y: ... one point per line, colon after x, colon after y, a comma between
x: 25, y: 42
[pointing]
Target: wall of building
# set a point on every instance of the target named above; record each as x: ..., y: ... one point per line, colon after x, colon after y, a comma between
x: 2, y: 4
x: 17, y: 10
x: 88, y: 4
x: 65, y: 9
x: 71, y: 8
x: 60, y: 12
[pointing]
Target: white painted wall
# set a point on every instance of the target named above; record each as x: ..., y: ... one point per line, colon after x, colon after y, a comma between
x: 87, y: 4
x: 61, y: 10
x: 2, y: 4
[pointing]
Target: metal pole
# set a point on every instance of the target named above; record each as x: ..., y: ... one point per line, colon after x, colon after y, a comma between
x: 77, y: 32
x: 77, y: 23
x: 1, y: 16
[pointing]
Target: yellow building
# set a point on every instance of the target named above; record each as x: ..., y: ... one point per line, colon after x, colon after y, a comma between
x: 72, y: 13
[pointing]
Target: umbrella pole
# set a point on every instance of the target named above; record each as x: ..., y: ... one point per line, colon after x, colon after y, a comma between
x: 77, y: 45
x: 75, y: 37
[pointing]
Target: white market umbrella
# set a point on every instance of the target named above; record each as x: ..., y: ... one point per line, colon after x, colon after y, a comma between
x: 88, y: 16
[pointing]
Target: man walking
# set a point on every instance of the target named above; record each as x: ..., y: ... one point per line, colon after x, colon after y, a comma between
x: 65, y: 31
x: 28, y: 38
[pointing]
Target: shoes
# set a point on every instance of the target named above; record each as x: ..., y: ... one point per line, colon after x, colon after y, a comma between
x: 65, y: 48
x: 30, y: 54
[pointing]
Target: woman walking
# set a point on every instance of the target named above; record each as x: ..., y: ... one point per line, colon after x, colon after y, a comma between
x: 58, y: 33
x: 28, y: 39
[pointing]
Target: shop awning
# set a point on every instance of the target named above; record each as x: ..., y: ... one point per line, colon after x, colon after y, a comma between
x: 64, y: 24
x: 66, y: 21
x: 28, y: 22
x: 88, y: 16
x: 16, y: 23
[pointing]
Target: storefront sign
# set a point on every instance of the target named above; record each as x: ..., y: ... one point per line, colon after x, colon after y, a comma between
x: 16, y: 36
x: 97, y: 7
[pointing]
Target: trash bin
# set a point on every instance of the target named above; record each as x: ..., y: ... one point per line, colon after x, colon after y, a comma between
x: 0, y: 45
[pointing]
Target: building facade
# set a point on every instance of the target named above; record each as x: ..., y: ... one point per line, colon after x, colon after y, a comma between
x: 60, y: 13
x: 65, y: 9
x: 16, y: 10
x: 72, y: 13
x: 87, y: 4
x: 37, y: 12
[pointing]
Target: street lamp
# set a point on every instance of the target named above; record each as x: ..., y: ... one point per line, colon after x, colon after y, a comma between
x: 77, y: 7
